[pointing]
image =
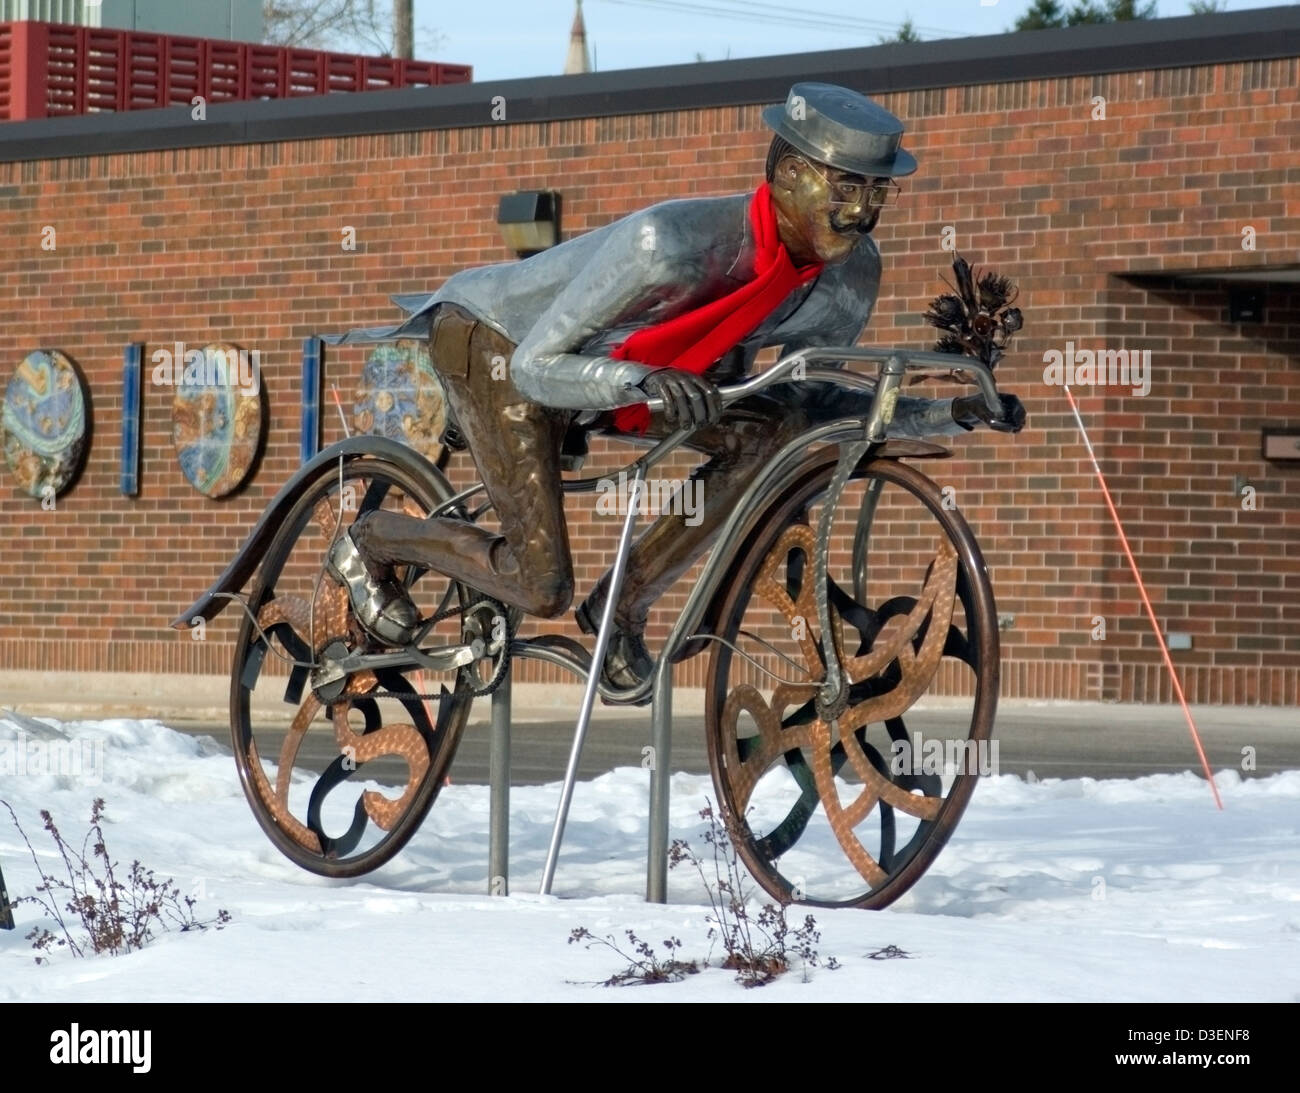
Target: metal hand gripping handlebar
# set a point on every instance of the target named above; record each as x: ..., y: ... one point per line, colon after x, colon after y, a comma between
x: 894, y: 363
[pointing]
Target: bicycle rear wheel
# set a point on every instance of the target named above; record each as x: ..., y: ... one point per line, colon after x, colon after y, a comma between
x: 851, y: 813
x: 343, y: 786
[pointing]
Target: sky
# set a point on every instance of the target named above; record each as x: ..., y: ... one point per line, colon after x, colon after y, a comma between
x: 530, y: 37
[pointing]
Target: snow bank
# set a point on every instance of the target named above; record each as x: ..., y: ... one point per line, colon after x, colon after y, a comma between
x: 1060, y: 889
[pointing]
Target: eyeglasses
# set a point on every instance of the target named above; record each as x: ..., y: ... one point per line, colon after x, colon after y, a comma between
x: 875, y: 194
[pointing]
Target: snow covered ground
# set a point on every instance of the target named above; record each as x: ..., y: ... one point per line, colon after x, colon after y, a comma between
x: 1082, y: 889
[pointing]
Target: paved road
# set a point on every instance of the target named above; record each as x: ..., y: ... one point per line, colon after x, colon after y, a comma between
x: 1052, y: 741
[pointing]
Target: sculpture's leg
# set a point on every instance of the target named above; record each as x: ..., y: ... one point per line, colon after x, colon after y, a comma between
x: 516, y: 449
x: 749, y: 433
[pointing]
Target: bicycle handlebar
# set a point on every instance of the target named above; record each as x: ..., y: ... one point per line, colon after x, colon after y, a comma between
x: 894, y: 361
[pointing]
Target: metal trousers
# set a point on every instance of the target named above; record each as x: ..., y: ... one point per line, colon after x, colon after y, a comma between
x: 516, y: 447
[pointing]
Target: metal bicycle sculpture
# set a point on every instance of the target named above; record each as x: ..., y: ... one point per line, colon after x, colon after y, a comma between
x: 841, y: 590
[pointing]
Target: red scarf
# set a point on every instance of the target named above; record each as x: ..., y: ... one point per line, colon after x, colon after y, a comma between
x: 694, y: 340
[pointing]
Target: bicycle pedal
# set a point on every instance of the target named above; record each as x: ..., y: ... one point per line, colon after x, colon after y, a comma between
x: 329, y: 679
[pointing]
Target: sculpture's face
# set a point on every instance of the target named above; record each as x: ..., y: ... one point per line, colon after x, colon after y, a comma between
x: 816, y: 223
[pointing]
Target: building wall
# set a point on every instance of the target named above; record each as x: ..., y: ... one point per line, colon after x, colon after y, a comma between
x: 242, y: 243
x: 50, y: 11
x: 235, y: 20
x: 1215, y: 527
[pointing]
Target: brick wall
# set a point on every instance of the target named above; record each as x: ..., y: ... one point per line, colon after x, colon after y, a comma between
x: 243, y: 244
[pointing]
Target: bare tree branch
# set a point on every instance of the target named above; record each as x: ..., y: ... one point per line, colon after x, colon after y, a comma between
x: 348, y: 26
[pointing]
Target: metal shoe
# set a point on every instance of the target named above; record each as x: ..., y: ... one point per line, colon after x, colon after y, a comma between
x: 381, y: 605
x: 628, y: 663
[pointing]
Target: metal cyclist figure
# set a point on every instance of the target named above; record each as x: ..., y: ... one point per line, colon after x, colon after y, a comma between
x: 666, y: 304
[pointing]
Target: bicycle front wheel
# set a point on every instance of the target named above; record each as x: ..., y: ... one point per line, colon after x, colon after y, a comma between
x: 851, y: 812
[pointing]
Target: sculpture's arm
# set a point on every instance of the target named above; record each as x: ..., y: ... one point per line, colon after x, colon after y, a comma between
x: 855, y: 300
x: 630, y: 273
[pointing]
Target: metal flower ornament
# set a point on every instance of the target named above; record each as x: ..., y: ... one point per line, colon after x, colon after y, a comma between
x: 976, y: 317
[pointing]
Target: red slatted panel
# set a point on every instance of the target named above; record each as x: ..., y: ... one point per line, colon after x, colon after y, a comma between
x: 305, y: 72
x: 418, y: 74
x: 266, y: 72
x: 184, y: 69
x: 342, y: 73
x: 454, y: 73
x: 380, y: 73
x: 65, y: 83
x: 227, y: 71
x: 50, y: 69
x: 7, y: 52
x: 144, y: 79
x: 103, y: 64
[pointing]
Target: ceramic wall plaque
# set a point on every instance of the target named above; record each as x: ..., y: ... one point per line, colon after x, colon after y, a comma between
x: 44, y: 422
x: 401, y: 397
x: 217, y: 418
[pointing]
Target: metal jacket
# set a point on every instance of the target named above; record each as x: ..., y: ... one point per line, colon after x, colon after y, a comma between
x: 567, y: 307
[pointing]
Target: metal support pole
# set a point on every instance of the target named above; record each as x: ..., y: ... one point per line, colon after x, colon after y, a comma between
x: 661, y: 723
x: 593, y: 676
x: 499, y: 781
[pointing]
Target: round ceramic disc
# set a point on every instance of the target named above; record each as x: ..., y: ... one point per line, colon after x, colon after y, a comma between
x: 44, y: 422
x: 401, y: 397
x: 217, y: 419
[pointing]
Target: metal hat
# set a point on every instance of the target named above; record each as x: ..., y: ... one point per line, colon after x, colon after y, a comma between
x: 842, y: 128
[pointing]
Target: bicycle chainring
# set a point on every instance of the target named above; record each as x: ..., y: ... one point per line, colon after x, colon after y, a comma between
x: 491, y: 622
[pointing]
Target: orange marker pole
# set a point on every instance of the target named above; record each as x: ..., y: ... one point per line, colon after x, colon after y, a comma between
x: 342, y: 416
x: 1137, y: 576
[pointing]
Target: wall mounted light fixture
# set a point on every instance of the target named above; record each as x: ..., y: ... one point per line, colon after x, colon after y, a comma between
x: 1280, y: 445
x: 529, y: 221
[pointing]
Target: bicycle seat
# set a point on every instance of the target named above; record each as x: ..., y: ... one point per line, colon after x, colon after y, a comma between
x: 574, y: 448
